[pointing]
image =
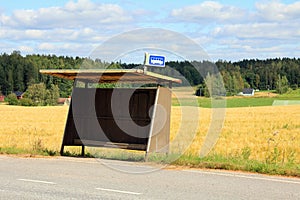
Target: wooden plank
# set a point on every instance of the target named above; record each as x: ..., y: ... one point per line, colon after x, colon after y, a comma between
x: 109, y: 144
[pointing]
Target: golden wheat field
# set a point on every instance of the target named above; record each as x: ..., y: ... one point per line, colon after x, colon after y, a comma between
x: 266, y: 133
x: 259, y: 133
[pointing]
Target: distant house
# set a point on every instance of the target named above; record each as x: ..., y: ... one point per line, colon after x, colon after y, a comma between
x: 19, y: 94
x: 61, y: 101
x: 2, y: 97
x: 64, y: 101
x: 248, y: 92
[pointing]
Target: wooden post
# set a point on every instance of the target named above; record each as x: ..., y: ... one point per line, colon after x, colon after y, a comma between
x: 170, y: 84
x: 62, y: 149
x: 82, y: 151
x: 146, y: 157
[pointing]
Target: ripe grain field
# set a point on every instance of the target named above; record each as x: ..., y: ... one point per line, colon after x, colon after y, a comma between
x: 30, y: 128
x: 268, y: 134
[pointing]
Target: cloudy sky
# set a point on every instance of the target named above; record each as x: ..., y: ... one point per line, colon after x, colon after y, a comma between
x: 225, y: 29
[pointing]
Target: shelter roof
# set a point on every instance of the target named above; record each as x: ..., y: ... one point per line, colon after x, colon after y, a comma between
x: 110, y: 75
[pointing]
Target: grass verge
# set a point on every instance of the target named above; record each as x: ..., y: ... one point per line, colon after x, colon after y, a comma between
x: 234, y: 163
x: 239, y: 164
x: 20, y: 151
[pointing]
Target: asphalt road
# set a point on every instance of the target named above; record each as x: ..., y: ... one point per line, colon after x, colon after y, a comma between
x: 84, y: 178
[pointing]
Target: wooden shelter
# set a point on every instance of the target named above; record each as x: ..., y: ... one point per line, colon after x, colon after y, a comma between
x: 127, y: 118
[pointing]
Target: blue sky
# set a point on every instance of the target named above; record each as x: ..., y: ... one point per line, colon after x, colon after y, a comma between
x: 225, y: 29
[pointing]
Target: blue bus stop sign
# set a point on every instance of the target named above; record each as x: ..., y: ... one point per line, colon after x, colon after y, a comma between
x: 154, y: 60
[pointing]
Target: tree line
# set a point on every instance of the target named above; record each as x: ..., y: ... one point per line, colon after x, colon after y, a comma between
x: 18, y: 73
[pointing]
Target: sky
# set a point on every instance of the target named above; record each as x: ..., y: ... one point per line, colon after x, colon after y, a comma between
x: 225, y: 29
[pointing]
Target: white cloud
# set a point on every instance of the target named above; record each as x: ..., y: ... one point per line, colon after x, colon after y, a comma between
x: 208, y: 11
x: 33, y: 33
x: 270, y: 31
x: 80, y: 5
x: 74, y: 28
x: 52, y: 35
x: 66, y: 49
x: 26, y: 49
x: 258, y: 30
x: 276, y: 11
x: 225, y: 31
x: 80, y: 14
x: 46, y: 46
x: 156, y: 39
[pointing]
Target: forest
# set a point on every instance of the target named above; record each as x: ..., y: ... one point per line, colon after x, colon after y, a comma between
x: 18, y: 72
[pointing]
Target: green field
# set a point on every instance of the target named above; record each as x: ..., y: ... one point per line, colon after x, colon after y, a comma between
x: 230, y: 102
x: 234, y: 102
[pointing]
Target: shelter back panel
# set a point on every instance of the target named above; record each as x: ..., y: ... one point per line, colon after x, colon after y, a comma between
x: 118, y: 115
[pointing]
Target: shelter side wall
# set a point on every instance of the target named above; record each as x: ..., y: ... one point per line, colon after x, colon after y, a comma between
x: 70, y: 132
x: 160, y: 136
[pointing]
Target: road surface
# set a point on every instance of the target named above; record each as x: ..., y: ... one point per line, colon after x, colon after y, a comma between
x: 85, y: 178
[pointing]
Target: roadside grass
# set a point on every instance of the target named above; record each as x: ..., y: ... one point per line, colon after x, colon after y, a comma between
x: 239, y: 163
x: 106, y: 153
x: 21, y: 151
x: 213, y: 161
x: 256, y: 139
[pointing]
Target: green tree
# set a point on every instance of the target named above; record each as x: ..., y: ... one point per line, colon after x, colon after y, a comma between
x: 37, y: 93
x: 214, y: 85
x: 282, y: 85
x: 52, y: 95
x: 41, y: 96
x: 12, y: 99
x: 26, y: 102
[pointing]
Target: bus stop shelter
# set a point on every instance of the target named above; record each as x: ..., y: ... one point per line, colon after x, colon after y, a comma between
x: 118, y: 117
